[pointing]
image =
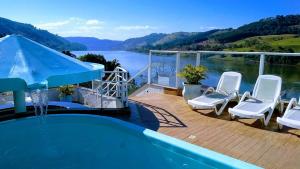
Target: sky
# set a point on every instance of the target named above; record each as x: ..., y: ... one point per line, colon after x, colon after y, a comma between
x: 123, y: 19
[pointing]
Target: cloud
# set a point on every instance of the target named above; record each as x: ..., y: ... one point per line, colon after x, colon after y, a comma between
x: 92, y: 27
x: 135, y: 27
x: 94, y: 22
x: 52, y: 25
x: 73, y: 27
x: 206, y: 28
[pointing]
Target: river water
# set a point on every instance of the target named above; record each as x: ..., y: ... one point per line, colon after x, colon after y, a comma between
x: 164, y: 65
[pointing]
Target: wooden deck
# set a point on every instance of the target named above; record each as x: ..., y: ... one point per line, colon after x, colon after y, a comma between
x: 242, y: 139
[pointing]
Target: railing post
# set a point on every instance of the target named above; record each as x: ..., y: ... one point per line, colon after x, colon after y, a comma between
x: 119, y: 84
x: 126, y: 89
x: 149, y: 67
x: 177, y: 69
x: 93, y: 85
x: 198, y: 59
x: 261, y: 64
x: 101, y: 94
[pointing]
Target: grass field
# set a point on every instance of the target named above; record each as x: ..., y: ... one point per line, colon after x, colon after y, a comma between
x: 267, y: 43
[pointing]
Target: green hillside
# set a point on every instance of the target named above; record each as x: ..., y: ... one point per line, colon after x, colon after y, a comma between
x: 8, y: 27
x: 256, y: 36
x: 270, y: 43
x: 279, y: 25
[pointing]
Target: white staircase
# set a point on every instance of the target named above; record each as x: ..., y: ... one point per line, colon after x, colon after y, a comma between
x: 109, y: 93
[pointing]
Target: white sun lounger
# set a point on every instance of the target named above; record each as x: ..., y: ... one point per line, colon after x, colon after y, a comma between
x: 264, y: 99
x: 227, y: 90
x: 291, y: 117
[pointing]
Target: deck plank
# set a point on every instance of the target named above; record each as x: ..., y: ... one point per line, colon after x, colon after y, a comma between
x: 241, y: 139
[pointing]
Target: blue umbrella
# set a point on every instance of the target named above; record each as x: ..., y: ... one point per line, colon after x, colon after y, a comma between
x: 26, y: 64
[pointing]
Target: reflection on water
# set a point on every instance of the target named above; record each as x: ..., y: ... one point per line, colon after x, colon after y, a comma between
x: 164, y: 66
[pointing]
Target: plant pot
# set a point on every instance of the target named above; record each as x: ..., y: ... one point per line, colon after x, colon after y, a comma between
x: 191, y: 91
x: 66, y: 98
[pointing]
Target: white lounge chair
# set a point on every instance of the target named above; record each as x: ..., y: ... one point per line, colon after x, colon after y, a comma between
x: 227, y: 90
x: 291, y: 117
x: 264, y: 99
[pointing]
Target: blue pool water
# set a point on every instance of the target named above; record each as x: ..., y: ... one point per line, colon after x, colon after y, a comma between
x: 90, y: 142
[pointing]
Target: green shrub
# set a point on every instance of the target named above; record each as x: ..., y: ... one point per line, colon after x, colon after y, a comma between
x: 66, y: 90
x: 193, y: 74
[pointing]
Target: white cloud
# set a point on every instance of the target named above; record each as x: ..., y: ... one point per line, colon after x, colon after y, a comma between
x: 135, y: 27
x: 52, y: 25
x: 73, y: 27
x: 92, y: 27
x: 94, y: 22
x: 206, y: 28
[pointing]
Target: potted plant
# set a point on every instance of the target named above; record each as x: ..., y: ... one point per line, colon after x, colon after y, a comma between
x: 66, y: 93
x: 193, y: 76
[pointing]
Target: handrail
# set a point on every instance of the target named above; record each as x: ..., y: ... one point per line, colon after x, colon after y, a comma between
x: 139, y: 73
x: 121, y: 69
x: 115, y: 85
x: 198, y: 56
x: 227, y: 52
x: 121, y: 72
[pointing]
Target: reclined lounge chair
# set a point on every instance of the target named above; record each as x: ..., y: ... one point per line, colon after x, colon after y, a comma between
x: 227, y: 90
x: 262, y: 102
x: 291, y: 117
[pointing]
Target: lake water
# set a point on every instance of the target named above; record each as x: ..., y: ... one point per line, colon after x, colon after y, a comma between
x: 164, y: 65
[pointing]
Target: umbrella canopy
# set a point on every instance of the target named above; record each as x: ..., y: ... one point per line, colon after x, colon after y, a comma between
x: 28, y: 64
x: 25, y: 64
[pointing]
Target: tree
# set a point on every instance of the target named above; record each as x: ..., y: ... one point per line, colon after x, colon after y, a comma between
x: 66, y: 52
x: 94, y: 58
x: 97, y: 58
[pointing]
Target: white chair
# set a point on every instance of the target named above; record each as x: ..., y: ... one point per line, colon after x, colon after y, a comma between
x: 264, y: 99
x: 227, y: 90
x: 291, y: 117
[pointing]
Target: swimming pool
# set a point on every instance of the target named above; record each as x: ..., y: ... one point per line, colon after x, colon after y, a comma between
x: 90, y: 142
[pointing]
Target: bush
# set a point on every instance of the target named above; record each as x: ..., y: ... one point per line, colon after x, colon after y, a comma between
x: 193, y: 74
x: 66, y: 90
x: 94, y: 58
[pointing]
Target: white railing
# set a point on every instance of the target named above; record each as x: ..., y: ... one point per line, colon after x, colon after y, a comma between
x: 198, y: 58
x: 139, y: 73
x: 115, y: 86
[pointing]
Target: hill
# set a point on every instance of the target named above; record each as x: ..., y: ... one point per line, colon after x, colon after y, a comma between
x: 270, y: 43
x: 44, y: 37
x: 177, y: 40
x: 96, y: 44
x: 221, y: 39
x: 278, y: 25
x: 256, y: 36
x: 140, y: 42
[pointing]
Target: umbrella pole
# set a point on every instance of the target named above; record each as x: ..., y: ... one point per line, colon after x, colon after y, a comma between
x: 19, y: 101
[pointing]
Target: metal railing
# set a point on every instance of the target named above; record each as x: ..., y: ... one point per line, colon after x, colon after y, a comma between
x: 115, y: 86
x: 116, y: 83
x: 198, y: 58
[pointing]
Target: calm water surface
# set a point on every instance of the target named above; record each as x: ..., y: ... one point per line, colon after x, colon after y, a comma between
x: 165, y: 66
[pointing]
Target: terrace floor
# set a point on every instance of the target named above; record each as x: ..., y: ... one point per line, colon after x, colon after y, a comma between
x: 244, y: 139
